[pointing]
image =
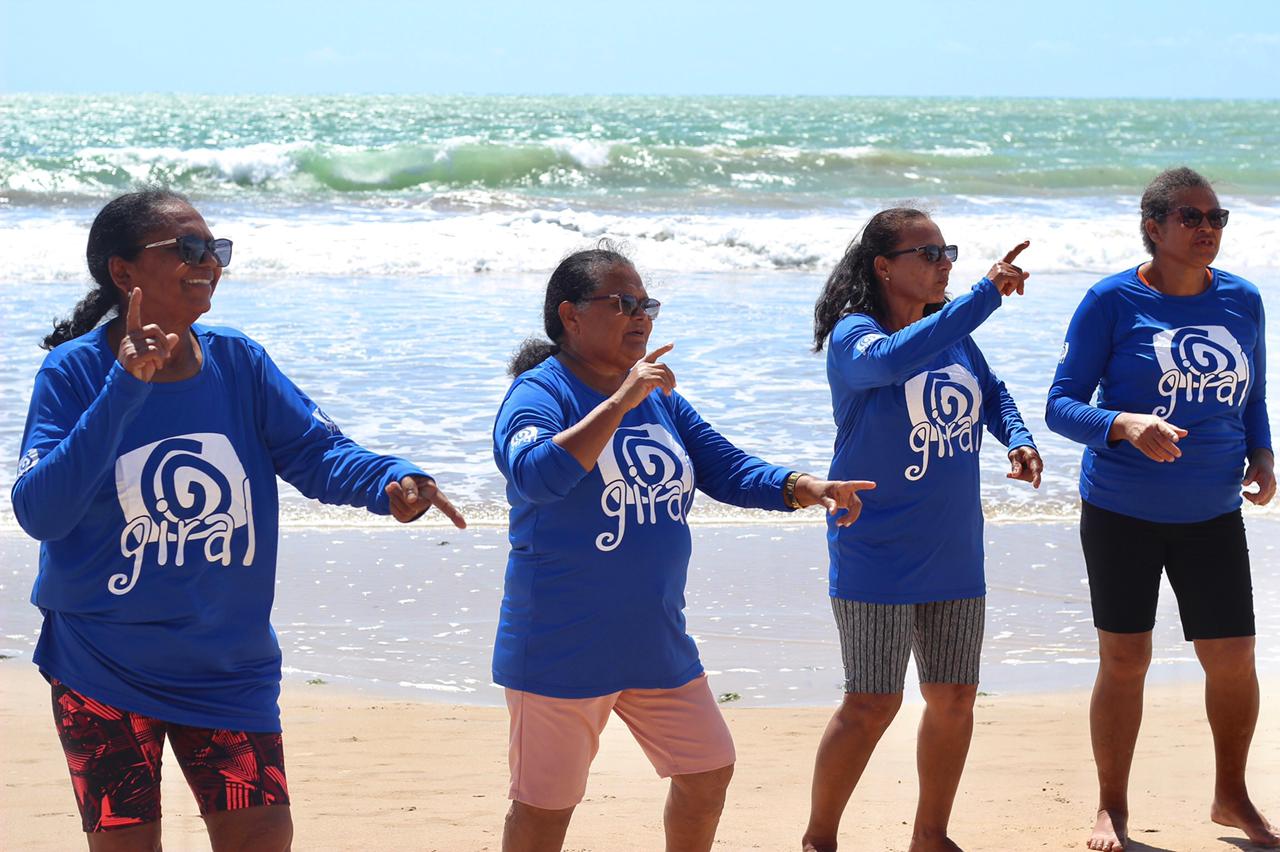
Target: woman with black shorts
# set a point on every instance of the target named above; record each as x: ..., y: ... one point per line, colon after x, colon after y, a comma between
x: 1175, y: 349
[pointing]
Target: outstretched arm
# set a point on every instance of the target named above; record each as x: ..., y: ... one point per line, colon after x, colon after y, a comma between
x: 311, y: 454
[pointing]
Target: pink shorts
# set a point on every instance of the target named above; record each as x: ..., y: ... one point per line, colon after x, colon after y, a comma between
x: 554, y: 740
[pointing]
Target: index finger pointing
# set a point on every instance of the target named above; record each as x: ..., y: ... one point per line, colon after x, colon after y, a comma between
x: 442, y: 503
x: 653, y: 356
x: 1017, y: 250
x: 862, y: 484
x: 133, y: 317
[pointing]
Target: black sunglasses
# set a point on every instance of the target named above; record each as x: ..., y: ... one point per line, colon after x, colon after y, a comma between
x: 630, y: 305
x: 1193, y: 216
x: 192, y: 249
x: 931, y: 253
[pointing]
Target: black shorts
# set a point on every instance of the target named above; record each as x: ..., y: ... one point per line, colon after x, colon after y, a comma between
x: 1207, y: 563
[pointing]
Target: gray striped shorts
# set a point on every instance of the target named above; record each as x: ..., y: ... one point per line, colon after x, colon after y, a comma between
x: 876, y: 641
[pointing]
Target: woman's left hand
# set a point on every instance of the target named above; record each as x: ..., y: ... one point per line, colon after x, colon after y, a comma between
x: 834, y: 496
x: 1261, y: 472
x: 1025, y: 464
x: 413, y: 496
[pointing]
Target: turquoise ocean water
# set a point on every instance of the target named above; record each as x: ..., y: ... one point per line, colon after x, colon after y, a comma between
x: 391, y: 253
x: 398, y: 245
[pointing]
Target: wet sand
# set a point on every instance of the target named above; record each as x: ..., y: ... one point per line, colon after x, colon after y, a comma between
x: 410, y: 612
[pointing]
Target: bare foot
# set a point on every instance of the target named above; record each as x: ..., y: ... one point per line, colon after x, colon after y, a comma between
x: 1110, y: 832
x: 933, y: 844
x: 1244, y: 816
x: 808, y: 844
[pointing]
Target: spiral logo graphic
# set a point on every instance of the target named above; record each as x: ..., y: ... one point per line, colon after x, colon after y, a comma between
x: 647, y: 462
x: 1199, y: 364
x: 1199, y: 354
x: 179, y: 485
x: 648, y: 479
x: 945, y: 407
x: 180, y: 496
x: 27, y: 461
x: 948, y: 400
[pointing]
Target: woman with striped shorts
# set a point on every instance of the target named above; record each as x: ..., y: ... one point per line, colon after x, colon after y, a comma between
x: 912, y: 394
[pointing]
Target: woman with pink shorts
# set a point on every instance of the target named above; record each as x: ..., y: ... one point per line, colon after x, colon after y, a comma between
x: 601, y: 458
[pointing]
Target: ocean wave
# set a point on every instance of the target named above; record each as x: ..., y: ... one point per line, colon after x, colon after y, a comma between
x: 476, y: 231
x: 571, y: 165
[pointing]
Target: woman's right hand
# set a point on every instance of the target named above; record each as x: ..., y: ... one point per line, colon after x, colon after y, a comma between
x: 1155, y: 438
x: 144, y: 349
x: 646, y: 375
x: 1010, y: 279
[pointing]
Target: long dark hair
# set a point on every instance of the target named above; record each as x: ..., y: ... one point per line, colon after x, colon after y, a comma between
x: 577, y: 277
x: 1158, y: 198
x: 117, y: 231
x: 852, y: 287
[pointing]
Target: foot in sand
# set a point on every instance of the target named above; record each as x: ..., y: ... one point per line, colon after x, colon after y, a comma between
x: 1110, y: 832
x: 933, y: 844
x: 1244, y: 816
x: 808, y: 844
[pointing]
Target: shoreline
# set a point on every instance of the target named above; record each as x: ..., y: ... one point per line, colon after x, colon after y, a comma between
x: 405, y: 613
x: 367, y: 773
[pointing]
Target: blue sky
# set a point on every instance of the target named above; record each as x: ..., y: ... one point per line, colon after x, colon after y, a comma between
x: 1084, y: 48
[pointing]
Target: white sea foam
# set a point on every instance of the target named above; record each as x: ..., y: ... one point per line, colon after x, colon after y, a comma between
x: 396, y: 243
x: 588, y: 153
x: 252, y: 164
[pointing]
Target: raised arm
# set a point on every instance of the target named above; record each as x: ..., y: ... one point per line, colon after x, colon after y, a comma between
x: 865, y: 357
x: 70, y: 444
x: 538, y: 468
x: 69, y: 450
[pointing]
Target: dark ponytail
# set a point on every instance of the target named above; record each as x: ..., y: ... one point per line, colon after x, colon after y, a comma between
x: 577, y: 277
x: 852, y: 287
x: 117, y: 231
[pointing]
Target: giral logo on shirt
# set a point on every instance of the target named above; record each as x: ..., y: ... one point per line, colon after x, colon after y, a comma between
x: 946, y: 416
x: 646, y: 475
x: 178, y: 492
x: 1199, y: 359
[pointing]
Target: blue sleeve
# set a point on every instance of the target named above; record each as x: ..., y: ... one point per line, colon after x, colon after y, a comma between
x: 1257, y: 426
x: 311, y: 453
x: 1001, y: 413
x: 1084, y: 359
x: 539, y: 469
x: 722, y: 470
x: 68, y: 450
x: 867, y: 358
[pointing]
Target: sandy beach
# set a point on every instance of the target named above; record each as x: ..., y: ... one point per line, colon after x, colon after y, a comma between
x: 372, y: 621
x: 372, y: 774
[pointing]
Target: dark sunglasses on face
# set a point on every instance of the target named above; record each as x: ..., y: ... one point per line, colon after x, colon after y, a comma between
x: 192, y: 249
x: 932, y: 253
x: 1192, y: 217
x: 631, y: 305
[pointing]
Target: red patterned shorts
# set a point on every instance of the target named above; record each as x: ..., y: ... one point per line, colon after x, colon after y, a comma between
x: 114, y: 758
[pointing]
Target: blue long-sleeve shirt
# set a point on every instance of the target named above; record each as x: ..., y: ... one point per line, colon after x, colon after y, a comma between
x: 594, y: 597
x: 157, y: 511
x: 1199, y: 362
x: 910, y: 408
